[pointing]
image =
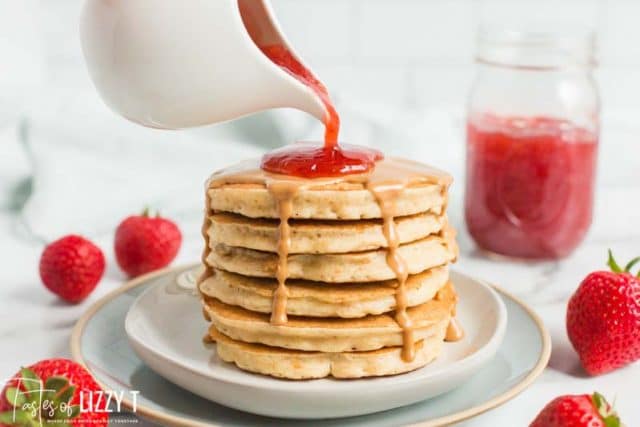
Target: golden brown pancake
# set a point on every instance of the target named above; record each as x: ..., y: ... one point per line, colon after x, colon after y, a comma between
x: 298, y: 365
x: 365, y: 266
x: 345, y: 200
x: 316, y: 299
x: 319, y: 236
x: 332, y: 335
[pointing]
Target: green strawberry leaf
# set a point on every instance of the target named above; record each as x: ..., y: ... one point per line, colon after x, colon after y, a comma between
x: 605, y: 410
x: 75, y: 411
x: 30, y: 380
x: 47, y: 396
x: 56, y: 383
x: 599, y: 402
x: 34, y: 397
x: 55, y: 387
x: 631, y: 264
x: 15, y: 418
x: 612, y: 421
x: 613, y: 265
x: 66, y: 395
x: 15, y: 397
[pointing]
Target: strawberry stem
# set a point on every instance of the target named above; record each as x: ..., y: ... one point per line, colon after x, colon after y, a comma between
x: 148, y: 212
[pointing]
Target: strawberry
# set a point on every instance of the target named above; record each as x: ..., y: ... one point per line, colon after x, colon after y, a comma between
x: 603, y: 318
x: 53, y: 392
x: 71, y: 268
x: 144, y: 243
x: 577, y: 411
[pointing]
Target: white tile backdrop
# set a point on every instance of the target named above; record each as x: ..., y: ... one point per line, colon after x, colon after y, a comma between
x: 399, y: 52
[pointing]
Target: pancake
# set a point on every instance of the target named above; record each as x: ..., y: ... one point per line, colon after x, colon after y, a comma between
x: 299, y: 365
x: 343, y: 200
x: 319, y: 236
x: 346, y: 300
x: 332, y: 335
x: 365, y: 266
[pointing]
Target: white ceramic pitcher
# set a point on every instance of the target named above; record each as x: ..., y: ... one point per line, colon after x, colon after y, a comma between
x: 176, y: 64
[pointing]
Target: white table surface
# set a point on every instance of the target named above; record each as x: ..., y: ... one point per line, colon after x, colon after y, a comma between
x: 34, y: 325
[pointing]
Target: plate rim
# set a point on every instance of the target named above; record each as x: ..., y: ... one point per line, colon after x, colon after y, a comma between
x: 541, y: 364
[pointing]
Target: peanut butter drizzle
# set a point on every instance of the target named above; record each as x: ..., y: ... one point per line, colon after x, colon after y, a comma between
x: 386, y: 182
x: 283, y: 189
x: 454, y: 331
x: 283, y: 192
x: 386, y: 195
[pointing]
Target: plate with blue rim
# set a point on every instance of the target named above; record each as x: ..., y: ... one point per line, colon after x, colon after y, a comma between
x: 490, y: 366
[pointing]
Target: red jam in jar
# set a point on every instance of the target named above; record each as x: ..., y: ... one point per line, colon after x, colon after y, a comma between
x: 530, y: 185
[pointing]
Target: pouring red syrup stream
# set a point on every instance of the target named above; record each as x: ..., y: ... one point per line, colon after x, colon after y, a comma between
x: 310, y: 160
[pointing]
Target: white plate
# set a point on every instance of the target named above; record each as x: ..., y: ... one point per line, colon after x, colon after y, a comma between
x: 165, y: 328
x: 99, y: 342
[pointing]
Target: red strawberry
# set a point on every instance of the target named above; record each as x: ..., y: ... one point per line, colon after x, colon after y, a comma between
x: 71, y: 267
x: 144, y: 243
x: 49, y: 394
x: 603, y: 319
x: 577, y: 411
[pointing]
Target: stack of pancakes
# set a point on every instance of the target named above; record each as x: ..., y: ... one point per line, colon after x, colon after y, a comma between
x: 341, y: 290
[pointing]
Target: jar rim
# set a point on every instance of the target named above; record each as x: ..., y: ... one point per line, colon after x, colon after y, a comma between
x: 537, y: 48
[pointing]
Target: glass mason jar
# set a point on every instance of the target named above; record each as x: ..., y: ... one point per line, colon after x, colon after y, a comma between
x: 532, y: 136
